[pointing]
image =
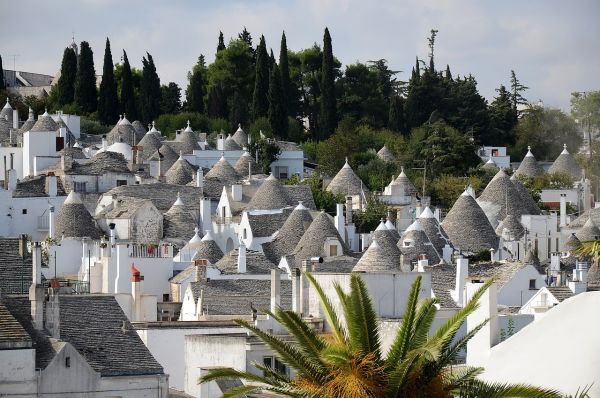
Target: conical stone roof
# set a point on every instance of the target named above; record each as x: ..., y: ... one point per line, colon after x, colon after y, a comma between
x: 44, y: 123
x: 240, y: 136
x: 572, y: 242
x: 415, y: 242
x: 123, y: 131
x: 468, y: 227
x: 208, y: 249
x: 189, y: 140
x: 180, y: 173
x: 230, y: 145
x: 178, y: 222
x: 223, y: 172
x: 311, y: 243
x: 377, y: 259
x: 434, y: 230
x: 387, y: 241
x: 74, y: 221
x: 269, y: 196
x: 149, y: 143
x: 289, y: 234
x: 28, y: 125
x: 510, y: 228
x: 7, y: 112
x: 385, y: 154
x: 589, y: 231
x: 346, y: 182
x: 5, y: 127
x: 245, y: 163
x: 407, y: 186
x: 490, y: 165
x: 529, y: 167
x: 565, y: 163
x: 527, y: 201
x: 169, y: 157
x: 500, y: 197
x: 139, y: 128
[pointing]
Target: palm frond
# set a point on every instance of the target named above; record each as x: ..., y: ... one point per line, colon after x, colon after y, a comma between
x: 330, y: 313
x: 307, y: 338
x: 590, y: 248
x: 402, y: 370
x: 230, y: 373
x: 457, y: 377
x: 480, y: 389
x: 241, y: 391
x: 401, y: 343
x: 449, y: 354
x: 362, y: 320
x: 424, y: 316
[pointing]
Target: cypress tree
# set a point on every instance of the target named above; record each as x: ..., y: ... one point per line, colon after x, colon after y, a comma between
x: 221, y: 45
x: 239, y: 109
x: 196, y: 89
x: 396, y: 120
x: 271, y: 60
x: 328, y: 105
x: 285, y: 75
x: 277, y: 115
x: 260, y: 101
x: 85, y: 81
x: 150, y: 94
x: 108, y: 100
x: 66, y: 82
x: 128, y: 105
x: 216, y: 102
x: 2, y: 82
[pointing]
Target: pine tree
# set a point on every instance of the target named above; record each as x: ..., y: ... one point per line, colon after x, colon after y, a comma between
x: 66, y: 82
x: 221, y: 45
x: 503, y: 119
x: 216, y: 102
x: 277, y: 116
x: 396, y: 121
x: 108, y: 100
x: 128, y: 105
x: 516, y: 88
x: 239, y: 109
x: 2, y: 82
x: 85, y: 81
x: 271, y: 60
x: 260, y: 101
x: 170, y: 98
x: 328, y: 105
x: 196, y: 88
x: 285, y: 75
x: 150, y: 94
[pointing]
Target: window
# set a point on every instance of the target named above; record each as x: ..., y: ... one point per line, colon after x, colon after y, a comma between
x: 68, y: 362
x: 60, y: 143
x: 281, y: 172
x: 333, y: 250
x: 165, y: 297
x: 78, y: 186
x: 121, y: 182
x: 532, y: 284
x: 24, y: 211
x: 245, y: 234
x: 275, y: 363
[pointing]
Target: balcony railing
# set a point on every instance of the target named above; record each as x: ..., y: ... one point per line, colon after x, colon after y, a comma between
x: 43, y: 223
x: 150, y: 251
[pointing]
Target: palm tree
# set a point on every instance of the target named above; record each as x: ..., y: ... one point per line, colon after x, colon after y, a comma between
x: 349, y: 362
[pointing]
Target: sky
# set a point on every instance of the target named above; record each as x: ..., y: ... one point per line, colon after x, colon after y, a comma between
x: 552, y: 45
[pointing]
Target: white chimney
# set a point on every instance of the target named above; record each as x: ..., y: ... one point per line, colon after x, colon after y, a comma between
x: 36, y: 290
x: 15, y: 119
x: 111, y: 226
x: 242, y: 258
x: 418, y: 210
x: 104, y: 143
x: 220, y: 142
x: 462, y: 273
x: 205, y: 214
x: 563, y: 210
x: 200, y: 178
x: 51, y: 222
x: 478, y: 347
x: 136, y: 294
x: 52, y: 186
x: 422, y: 263
x: 447, y: 253
x: 339, y: 220
x: 275, y: 289
x: 12, y: 180
x: 236, y: 192
x: 199, y: 305
x: 36, y: 258
x: 578, y: 284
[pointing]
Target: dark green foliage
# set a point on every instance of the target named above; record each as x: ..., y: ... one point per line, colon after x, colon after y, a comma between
x: 2, y: 82
x: 170, y: 101
x: 285, y: 75
x: 239, y: 109
x: 128, y: 98
x: 517, y: 88
x: 85, y: 82
x: 368, y: 220
x: 360, y: 97
x: 150, y: 93
x: 93, y: 127
x: 425, y: 94
x: 261, y: 124
x: 277, y: 116
x: 328, y: 119
x: 271, y: 60
x: 324, y: 200
x: 216, y: 102
x: 66, y: 82
x: 467, y: 110
x: 221, y: 45
x: 108, y: 100
x: 374, y: 172
x: 196, y: 89
x: 168, y: 123
x: 396, y: 120
x: 268, y: 152
x: 503, y: 120
x: 260, y: 101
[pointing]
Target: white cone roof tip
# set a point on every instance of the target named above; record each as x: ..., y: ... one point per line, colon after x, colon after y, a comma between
x: 239, y: 128
x: 374, y: 244
x: 300, y: 206
x: 381, y: 226
x: 346, y: 165
x: 73, y: 198
x: 402, y: 174
x: 208, y: 236
x: 564, y: 151
x: 45, y: 112
x: 188, y: 129
x: 178, y: 202
x: 271, y: 177
x: 196, y: 237
x: 529, y: 154
x: 153, y: 129
x: 426, y: 213
x: 415, y: 226
x: 490, y: 161
x: 389, y: 225
x: 7, y: 105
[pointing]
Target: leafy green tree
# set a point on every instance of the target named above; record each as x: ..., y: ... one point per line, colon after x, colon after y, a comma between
x: 239, y: 109
x: 277, y: 114
x: 85, y: 81
x: 503, y: 120
x: 128, y: 97
x: 285, y: 75
x: 108, y: 99
x: 66, y: 82
x: 359, y: 96
x: 260, y: 100
x: 268, y: 152
x: 150, y: 92
x: 467, y: 111
x: 517, y: 88
x: 396, y: 119
x: 375, y: 173
x: 170, y: 98
x: 221, y: 45
x: 367, y: 221
x: 425, y: 94
x: 196, y: 89
x: 350, y: 362
x: 328, y: 119
x: 2, y: 82
x: 545, y: 130
x: 216, y: 102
